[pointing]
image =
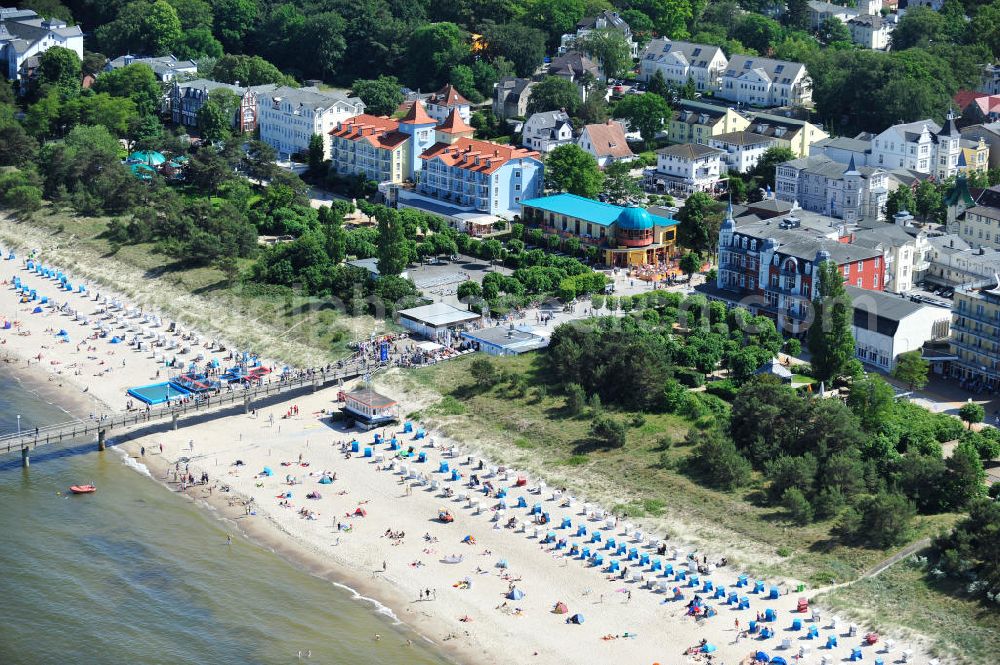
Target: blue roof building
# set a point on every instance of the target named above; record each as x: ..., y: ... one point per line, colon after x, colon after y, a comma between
x: 627, y: 236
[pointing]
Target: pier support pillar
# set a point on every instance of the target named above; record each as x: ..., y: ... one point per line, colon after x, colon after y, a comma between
x: 102, y: 436
x: 25, y: 459
x: 173, y: 417
x: 315, y: 385
x: 246, y: 405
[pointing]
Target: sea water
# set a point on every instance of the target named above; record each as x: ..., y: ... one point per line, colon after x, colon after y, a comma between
x: 137, y: 574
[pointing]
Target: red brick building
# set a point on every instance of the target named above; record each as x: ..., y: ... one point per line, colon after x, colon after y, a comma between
x: 773, y: 264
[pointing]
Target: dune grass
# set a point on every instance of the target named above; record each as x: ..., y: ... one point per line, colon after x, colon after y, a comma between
x: 532, y: 429
x: 904, y: 599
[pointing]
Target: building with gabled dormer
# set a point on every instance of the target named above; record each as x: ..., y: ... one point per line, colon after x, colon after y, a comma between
x: 775, y: 263
x: 289, y: 117
x: 765, y: 82
x: 922, y: 146
x: 822, y: 185
x: 24, y: 36
x: 682, y: 61
x: 441, y: 103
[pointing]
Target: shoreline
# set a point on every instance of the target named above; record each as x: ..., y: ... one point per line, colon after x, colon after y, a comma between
x: 271, y: 537
x: 654, y: 629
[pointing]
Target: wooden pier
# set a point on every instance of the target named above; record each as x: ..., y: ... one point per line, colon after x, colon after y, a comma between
x: 29, y: 439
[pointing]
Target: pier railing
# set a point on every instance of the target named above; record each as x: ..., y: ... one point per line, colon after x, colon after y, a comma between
x: 33, y: 437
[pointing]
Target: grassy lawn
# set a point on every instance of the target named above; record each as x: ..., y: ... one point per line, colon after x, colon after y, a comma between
x: 903, y: 598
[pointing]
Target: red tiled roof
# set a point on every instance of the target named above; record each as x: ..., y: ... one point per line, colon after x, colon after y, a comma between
x: 454, y: 124
x: 987, y: 103
x: 464, y: 152
x: 380, y: 131
x: 608, y: 140
x: 448, y: 96
x: 417, y: 115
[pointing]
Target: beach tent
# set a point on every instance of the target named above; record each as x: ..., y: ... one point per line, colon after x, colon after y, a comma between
x: 813, y: 633
x: 770, y: 614
x: 709, y: 648
x: 360, y: 512
x: 443, y: 467
x: 856, y: 653
x: 831, y: 641
x: 778, y: 660
x: 325, y: 480
x: 560, y: 608
x: 267, y: 471
x: 762, y: 657
x: 515, y: 594
x: 576, y: 618
x: 37, y: 310
x: 116, y: 340
x: 758, y: 587
x: 774, y: 593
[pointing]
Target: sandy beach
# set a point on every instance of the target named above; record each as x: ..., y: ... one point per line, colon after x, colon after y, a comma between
x: 375, y: 527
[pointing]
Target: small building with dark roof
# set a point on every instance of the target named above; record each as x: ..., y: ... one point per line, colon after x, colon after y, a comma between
x: 685, y: 169
x: 436, y: 321
x: 505, y: 340
x: 369, y: 409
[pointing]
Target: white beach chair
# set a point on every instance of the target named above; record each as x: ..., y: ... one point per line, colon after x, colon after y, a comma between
x: 537, y: 532
x: 889, y: 644
x: 477, y: 508
x: 653, y: 542
x: 803, y: 651
x: 497, y: 516
x: 852, y: 630
x: 435, y: 485
x: 638, y: 536
x: 834, y: 624
x: 609, y: 523
x: 636, y: 577
x: 816, y: 616
x: 906, y: 655
x: 692, y: 566
x: 661, y: 585
x: 786, y: 643
x: 824, y: 660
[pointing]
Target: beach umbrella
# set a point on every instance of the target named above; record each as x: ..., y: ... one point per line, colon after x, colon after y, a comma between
x: 515, y: 594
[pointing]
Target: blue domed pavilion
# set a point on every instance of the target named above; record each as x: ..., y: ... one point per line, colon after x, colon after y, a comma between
x: 626, y: 235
